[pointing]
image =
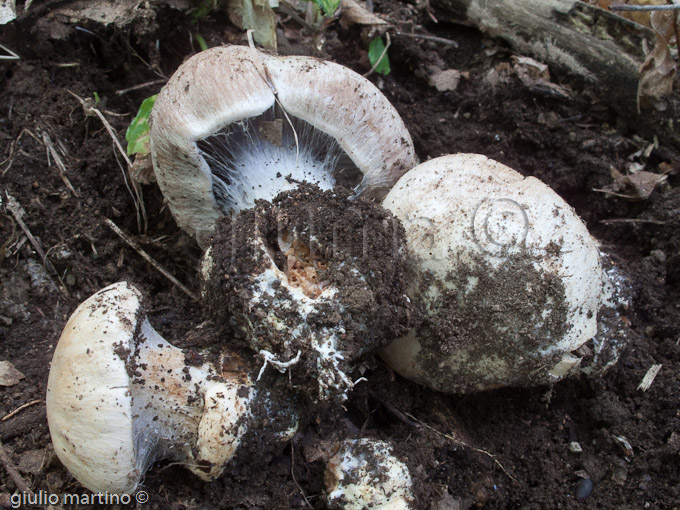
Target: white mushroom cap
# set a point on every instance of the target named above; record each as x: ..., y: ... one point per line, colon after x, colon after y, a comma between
x: 119, y: 397
x: 365, y: 474
x: 506, y: 273
x: 222, y: 86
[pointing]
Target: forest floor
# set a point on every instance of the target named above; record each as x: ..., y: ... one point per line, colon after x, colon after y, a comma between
x: 508, y: 448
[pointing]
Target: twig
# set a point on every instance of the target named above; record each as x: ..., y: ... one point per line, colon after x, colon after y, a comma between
x: 133, y: 244
x: 433, y: 38
x: 649, y: 377
x: 13, y: 472
x: 141, y: 86
x: 18, y: 212
x: 292, y: 474
x: 378, y: 61
x: 136, y: 196
x: 10, y: 54
x: 634, y: 220
x: 464, y: 444
x: 52, y: 151
x: 626, y: 7
x: 20, y: 408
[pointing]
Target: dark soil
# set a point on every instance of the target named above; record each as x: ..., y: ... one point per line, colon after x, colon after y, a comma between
x: 507, y: 448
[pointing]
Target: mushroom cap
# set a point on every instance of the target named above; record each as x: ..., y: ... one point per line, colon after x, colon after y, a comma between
x: 506, y: 275
x: 89, y: 404
x: 220, y: 86
x: 364, y: 474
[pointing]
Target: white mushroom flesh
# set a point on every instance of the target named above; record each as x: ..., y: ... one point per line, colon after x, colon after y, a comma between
x: 120, y: 397
x: 365, y: 474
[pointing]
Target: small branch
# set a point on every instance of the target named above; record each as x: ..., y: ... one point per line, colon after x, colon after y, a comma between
x: 136, y: 196
x: 20, y: 408
x: 10, y: 54
x: 634, y: 220
x: 52, y: 151
x: 625, y: 7
x: 292, y: 474
x: 133, y: 244
x: 464, y: 444
x: 382, y: 55
x: 141, y: 86
x: 13, y: 472
x: 433, y: 38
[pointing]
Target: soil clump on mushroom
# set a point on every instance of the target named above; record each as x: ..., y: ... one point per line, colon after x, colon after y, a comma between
x: 316, y: 276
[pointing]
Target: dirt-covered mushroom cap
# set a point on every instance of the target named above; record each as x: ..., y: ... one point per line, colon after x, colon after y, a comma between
x: 234, y: 124
x: 364, y: 473
x: 120, y: 397
x: 312, y: 282
x: 507, y: 278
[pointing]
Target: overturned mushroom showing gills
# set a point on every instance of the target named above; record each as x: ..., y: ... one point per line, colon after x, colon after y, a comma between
x: 508, y: 280
x: 365, y: 474
x: 120, y: 397
x: 234, y: 125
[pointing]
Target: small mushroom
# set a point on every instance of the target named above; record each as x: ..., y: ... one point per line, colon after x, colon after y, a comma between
x: 364, y: 473
x: 507, y: 278
x: 120, y: 397
x: 234, y: 125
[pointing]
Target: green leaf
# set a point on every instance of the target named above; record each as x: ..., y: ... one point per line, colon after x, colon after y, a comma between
x: 375, y: 50
x: 328, y: 6
x: 137, y: 134
x: 201, y: 41
x: 96, y: 98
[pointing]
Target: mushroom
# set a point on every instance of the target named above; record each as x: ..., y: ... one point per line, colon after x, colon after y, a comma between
x: 508, y: 281
x: 120, y: 397
x: 311, y: 282
x: 234, y: 125
x: 364, y: 473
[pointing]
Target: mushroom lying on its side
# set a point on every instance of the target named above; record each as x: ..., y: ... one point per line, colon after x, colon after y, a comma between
x: 234, y: 125
x: 120, y: 397
x: 508, y: 280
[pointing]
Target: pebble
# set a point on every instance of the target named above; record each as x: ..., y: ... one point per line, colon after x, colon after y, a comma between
x: 584, y: 489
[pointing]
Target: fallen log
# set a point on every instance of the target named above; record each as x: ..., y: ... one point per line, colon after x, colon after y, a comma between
x: 582, y: 40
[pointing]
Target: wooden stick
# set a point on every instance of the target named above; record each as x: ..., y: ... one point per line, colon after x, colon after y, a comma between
x: 133, y: 244
x: 13, y: 472
x: 20, y: 408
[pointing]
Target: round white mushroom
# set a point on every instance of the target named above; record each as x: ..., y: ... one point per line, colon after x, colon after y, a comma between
x: 234, y: 125
x: 507, y: 278
x: 365, y: 474
x: 120, y: 397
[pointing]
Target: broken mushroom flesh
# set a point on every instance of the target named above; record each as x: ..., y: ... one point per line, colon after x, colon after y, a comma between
x: 120, y: 397
x: 234, y: 125
x: 311, y: 282
x: 364, y: 473
x: 507, y: 279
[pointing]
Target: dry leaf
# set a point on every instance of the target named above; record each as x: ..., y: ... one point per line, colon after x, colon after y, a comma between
x: 141, y: 170
x: 353, y: 13
x: 635, y: 187
x: 9, y: 376
x: 444, y: 80
x: 534, y: 74
x: 31, y: 461
x: 256, y: 15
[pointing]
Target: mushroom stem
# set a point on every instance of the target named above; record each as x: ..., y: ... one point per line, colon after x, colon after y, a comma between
x: 120, y: 397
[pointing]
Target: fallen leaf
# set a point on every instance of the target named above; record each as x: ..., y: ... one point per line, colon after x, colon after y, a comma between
x: 536, y: 75
x: 444, y: 80
x: 9, y: 376
x: 31, y: 461
x: 634, y: 187
x: 256, y: 15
